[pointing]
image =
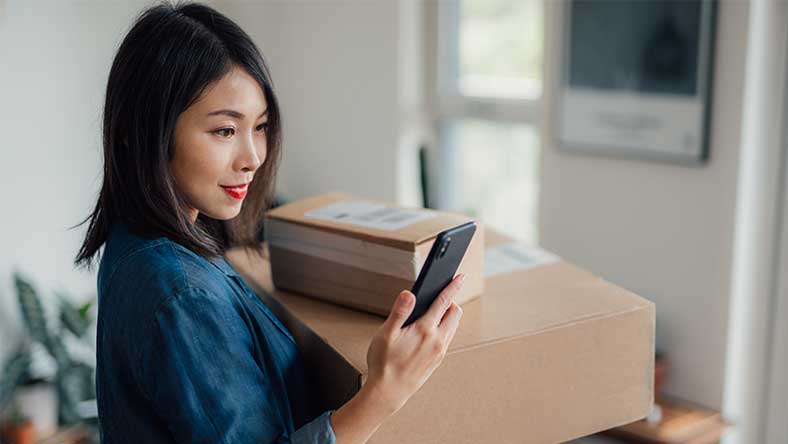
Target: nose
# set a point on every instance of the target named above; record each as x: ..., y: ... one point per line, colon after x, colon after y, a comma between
x: 252, y: 154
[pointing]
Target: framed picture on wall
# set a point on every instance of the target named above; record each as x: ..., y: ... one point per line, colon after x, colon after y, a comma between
x: 636, y: 78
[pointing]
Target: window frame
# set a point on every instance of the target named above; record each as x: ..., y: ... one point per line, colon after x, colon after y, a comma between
x: 451, y: 103
x: 448, y: 104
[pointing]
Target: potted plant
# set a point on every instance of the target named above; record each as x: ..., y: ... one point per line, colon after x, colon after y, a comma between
x: 73, y: 379
x: 18, y: 428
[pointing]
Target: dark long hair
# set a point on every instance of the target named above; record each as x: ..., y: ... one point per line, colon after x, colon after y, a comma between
x: 170, y: 55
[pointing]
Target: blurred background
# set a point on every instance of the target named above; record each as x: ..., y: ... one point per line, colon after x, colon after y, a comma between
x: 454, y: 104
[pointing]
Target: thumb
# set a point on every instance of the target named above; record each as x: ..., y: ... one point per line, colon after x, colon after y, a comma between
x: 400, y: 311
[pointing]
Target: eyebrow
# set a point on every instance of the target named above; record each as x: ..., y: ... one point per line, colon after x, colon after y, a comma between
x: 233, y: 113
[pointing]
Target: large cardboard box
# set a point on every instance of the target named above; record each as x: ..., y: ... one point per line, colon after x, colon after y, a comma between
x: 548, y: 354
x: 361, y: 253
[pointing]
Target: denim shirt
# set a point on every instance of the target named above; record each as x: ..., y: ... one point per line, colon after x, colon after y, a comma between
x: 187, y: 353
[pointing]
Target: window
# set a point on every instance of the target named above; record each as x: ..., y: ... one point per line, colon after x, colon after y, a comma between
x: 488, y: 89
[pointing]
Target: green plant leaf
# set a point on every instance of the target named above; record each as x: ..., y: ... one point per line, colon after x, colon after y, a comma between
x: 84, y: 310
x: 32, y: 310
x: 15, y: 371
x: 74, y: 319
x: 75, y: 383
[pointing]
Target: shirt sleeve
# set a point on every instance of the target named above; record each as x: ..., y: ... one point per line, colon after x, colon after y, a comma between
x: 199, y: 372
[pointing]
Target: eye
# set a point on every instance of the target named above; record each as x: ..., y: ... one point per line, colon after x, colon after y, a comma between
x: 225, y: 132
x: 262, y: 127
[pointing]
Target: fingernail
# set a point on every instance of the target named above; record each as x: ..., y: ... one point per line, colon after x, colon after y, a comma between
x: 462, y: 278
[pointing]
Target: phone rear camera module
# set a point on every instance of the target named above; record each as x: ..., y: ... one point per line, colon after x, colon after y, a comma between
x: 443, y: 249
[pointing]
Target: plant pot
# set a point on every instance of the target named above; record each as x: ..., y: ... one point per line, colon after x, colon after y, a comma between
x: 24, y: 433
x: 39, y: 403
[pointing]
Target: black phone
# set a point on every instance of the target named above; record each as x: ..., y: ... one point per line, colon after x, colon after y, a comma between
x: 439, y: 268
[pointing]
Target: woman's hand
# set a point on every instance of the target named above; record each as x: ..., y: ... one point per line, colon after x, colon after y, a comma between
x: 400, y: 360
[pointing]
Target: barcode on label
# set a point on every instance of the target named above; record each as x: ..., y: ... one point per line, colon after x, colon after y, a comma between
x: 515, y: 256
x: 368, y: 214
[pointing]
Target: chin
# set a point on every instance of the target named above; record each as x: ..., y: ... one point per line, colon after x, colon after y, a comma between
x: 224, y: 214
x: 228, y: 216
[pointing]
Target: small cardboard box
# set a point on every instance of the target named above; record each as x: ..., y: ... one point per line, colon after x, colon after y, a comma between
x: 548, y: 354
x: 361, y: 253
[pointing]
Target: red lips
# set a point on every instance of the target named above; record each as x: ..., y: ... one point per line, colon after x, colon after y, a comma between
x: 236, y: 191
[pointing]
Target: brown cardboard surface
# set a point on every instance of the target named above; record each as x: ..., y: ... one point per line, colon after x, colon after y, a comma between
x: 545, y: 355
x: 361, y: 289
x: 341, y: 248
x: 406, y: 238
x: 358, y: 288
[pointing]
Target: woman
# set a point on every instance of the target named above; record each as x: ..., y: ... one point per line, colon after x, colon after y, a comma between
x: 186, y: 352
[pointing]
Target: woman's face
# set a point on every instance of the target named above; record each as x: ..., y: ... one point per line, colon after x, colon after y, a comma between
x: 220, y: 141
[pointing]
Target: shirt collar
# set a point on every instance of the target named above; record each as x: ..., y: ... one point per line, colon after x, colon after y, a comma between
x: 221, y: 263
x: 127, y: 239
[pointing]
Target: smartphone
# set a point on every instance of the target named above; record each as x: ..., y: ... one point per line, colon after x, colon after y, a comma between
x: 439, y: 268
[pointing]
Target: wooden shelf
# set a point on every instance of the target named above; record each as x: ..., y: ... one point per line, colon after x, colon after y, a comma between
x: 682, y: 422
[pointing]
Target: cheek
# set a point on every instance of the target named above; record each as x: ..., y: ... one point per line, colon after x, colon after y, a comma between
x: 198, y: 167
x: 208, y: 168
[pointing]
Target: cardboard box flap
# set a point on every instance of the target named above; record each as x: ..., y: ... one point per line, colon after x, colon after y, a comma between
x: 539, y: 299
x: 411, y: 226
x: 551, y: 296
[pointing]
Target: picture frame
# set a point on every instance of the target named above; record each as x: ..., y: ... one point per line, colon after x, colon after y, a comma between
x: 636, y: 79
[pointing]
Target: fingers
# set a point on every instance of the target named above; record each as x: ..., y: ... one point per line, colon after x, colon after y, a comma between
x: 400, y: 311
x: 450, y: 322
x: 443, y: 301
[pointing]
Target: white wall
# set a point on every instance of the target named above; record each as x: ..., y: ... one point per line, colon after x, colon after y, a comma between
x: 337, y: 73
x: 54, y: 62
x: 663, y: 231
